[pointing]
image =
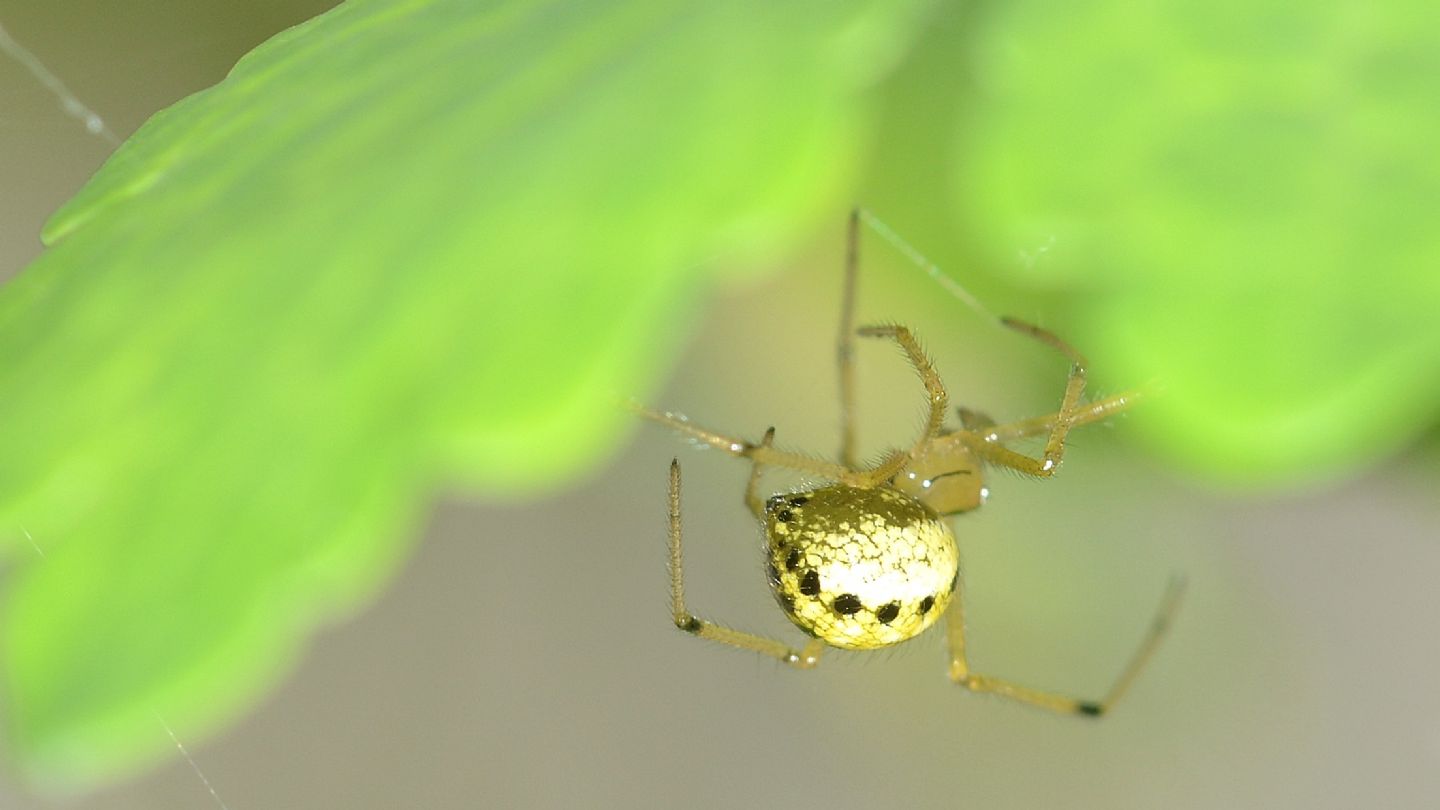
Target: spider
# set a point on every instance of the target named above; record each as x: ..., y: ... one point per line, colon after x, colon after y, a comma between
x: 870, y: 560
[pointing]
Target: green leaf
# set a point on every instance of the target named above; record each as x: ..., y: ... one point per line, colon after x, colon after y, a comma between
x: 1240, y: 199
x: 406, y: 243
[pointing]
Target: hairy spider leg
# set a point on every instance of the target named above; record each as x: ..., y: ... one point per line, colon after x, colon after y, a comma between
x: 771, y: 457
x: 1049, y: 460
x: 752, y: 495
x: 1085, y: 414
x: 961, y: 674
x: 937, y: 398
x: 804, y: 658
x: 845, y: 352
x: 988, y: 445
x: 1058, y: 425
x: 979, y: 429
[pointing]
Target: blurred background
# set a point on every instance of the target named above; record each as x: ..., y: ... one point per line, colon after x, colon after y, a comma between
x: 524, y: 655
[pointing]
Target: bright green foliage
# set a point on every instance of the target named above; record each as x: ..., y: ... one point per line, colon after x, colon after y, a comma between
x: 1240, y: 199
x: 405, y: 243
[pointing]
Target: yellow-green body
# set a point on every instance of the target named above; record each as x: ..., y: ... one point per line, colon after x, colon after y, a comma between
x: 860, y: 568
x: 867, y: 561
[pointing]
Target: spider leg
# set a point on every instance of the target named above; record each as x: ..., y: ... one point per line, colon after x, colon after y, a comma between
x: 803, y: 658
x: 1088, y: 413
x: 752, y: 496
x: 989, y: 447
x: 845, y: 346
x: 960, y: 668
x: 762, y: 453
x: 938, y: 399
x: 767, y: 455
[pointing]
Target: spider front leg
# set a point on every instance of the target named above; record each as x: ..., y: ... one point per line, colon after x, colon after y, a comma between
x: 752, y: 489
x: 960, y: 668
x: 845, y: 356
x: 804, y: 658
x: 764, y: 453
x: 987, y: 444
x: 937, y: 398
x: 1094, y: 411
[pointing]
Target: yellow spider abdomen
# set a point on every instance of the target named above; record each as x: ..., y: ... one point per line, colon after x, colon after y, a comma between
x: 860, y: 568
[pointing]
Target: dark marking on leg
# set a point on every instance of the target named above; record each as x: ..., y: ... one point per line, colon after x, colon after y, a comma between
x: 690, y: 625
x: 1091, y: 709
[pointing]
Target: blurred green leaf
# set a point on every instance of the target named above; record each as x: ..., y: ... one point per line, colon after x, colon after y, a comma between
x: 1240, y: 199
x: 407, y: 242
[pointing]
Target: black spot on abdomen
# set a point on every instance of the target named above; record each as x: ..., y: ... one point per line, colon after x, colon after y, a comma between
x: 810, y: 583
x: 888, y: 613
x: 847, y: 604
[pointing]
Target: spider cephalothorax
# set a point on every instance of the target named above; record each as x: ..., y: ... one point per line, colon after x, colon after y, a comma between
x: 870, y: 561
